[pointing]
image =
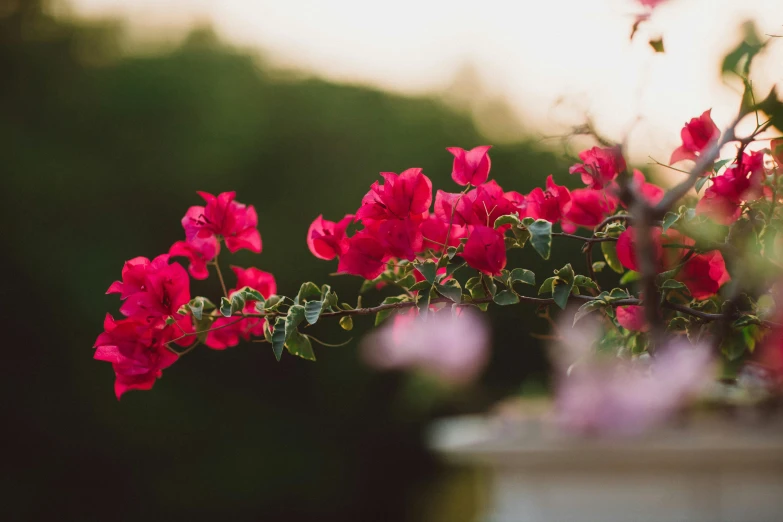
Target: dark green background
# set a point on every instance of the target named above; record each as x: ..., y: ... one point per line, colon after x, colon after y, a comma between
x: 102, y: 153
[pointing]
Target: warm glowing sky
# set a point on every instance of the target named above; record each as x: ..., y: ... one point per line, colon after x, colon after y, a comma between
x: 531, y: 52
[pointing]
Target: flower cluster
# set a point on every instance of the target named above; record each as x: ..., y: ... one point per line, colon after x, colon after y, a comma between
x: 673, y: 265
x: 156, y: 296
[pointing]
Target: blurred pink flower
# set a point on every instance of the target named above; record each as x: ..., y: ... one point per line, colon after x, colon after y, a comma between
x: 621, y: 397
x: 452, y: 348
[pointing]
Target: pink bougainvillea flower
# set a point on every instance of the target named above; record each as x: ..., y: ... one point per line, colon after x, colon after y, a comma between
x: 326, y: 239
x: 665, y: 258
x: 136, y: 351
x: 401, y: 238
x: 632, y: 318
x: 222, y: 216
x: 435, y: 232
x: 649, y: 191
x: 199, y: 252
x: 257, y: 279
x: 488, y: 202
x: 408, y: 195
x: 599, y: 166
x: 704, y: 274
x: 548, y: 204
x: 588, y: 207
x: 166, y: 288
x: 454, y: 208
x: 364, y: 256
x: 723, y: 199
x: 471, y: 167
x: 697, y: 135
x: 452, y: 349
x: 615, y: 397
x: 485, y: 250
x: 134, y: 275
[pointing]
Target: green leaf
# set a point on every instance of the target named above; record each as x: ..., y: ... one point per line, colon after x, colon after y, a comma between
x: 561, y: 292
x: 450, y: 271
x: 699, y: 184
x: 609, y: 250
x: 451, y: 252
x: 566, y: 273
x: 421, y: 285
x: 472, y: 282
x: 407, y: 281
x: 629, y: 277
x: 510, y: 219
x: 546, y: 286
x: 346, y: 323
x: 617, y: 293
x: 299, y: 344
x: 423, y: 304
x: 308, y: 290
x: 739, y: 59
x: 225, y: 307
x: 540, y: 236
x: 657, y: 45
x: 588, y: 308
x: 451, y: 292
x: 428, y: 269
x: 251, y: 294
x: 197, y: 306
x: 295, y: 316
x: 671, y: 218
x: 278, y: 338
x: 273, y: 302
x: 506, y: 297
x: 523, y: 275
x: 773, y: 107
x: 490, y: 283
x: 312, y: 311
x: 671, y: 284
x: 383, y: 314
x: 369, y: 284
x: 598, y: 266
x: 585, y: 282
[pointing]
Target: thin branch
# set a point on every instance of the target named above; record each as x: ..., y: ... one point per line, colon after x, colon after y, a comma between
x: 220, y: 276
x: 585, y: 239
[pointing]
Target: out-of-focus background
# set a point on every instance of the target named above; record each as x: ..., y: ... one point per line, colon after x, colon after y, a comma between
x: 113, y: 114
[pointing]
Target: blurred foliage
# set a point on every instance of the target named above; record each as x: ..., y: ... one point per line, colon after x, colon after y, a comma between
x: 102, y: 153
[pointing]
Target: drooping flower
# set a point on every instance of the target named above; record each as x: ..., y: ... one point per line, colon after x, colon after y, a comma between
x: 408, y: 195
x: 632, y: 318
x: 485, y: 250
x: 364, y: 256
x: 697, y: 135
x: 587, y: 208
x: 599, y: 166
x: 199, y: 252
x: 704, y: 274
x: 452, y: 349
x: 136, y: 351
x: 548, y: 204
x: 326, y: 239
x: 222, y: 216
x: 470, y: 167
